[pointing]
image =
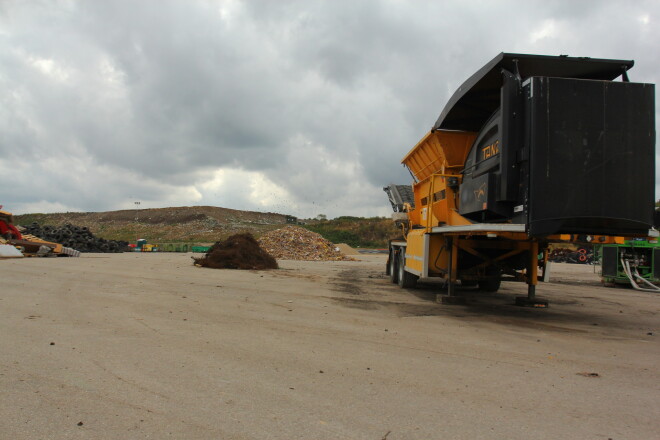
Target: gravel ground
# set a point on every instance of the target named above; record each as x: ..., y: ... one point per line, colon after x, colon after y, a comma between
x: 133, y: 346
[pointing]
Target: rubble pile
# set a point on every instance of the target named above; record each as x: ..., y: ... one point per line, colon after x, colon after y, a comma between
x: 76, y: 237
x: 240, y: 251
x: 296, y: 243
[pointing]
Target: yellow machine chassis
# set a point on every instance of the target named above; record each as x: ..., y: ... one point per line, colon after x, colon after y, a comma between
x: 434, y: 232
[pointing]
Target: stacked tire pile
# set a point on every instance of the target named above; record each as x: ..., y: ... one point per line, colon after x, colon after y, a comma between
x: 76, y: 237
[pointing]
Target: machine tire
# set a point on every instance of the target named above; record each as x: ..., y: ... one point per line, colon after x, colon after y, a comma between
x: 490, y: 284
x: 394, y: 267
x: 493, y: 280
x: 406, y: 279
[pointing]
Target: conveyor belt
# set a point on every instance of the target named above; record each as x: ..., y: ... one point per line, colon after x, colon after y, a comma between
x: 398, y: 195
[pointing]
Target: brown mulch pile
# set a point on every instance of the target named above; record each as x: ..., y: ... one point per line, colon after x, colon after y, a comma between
x: 240, y: 251
x: 295, y: 243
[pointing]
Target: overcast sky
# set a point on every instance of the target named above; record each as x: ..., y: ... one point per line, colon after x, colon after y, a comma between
x: 298, y: 107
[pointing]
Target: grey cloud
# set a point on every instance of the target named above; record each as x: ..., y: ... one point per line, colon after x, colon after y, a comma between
x: 163, y: 93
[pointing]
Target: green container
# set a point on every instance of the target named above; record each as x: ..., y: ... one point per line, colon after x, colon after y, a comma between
x: 201, y: 249
x: 177, y: 247
x: 640, y: 250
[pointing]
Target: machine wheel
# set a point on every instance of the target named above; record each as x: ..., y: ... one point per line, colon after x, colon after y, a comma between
x: 394, y: 267
x: 406, y: 279
x: 490, y: 284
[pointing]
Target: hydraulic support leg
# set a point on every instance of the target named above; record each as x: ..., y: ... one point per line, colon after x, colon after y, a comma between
x: 452, y: 270
x: 532, y: 280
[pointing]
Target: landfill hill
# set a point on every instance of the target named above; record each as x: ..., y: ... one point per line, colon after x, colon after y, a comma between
x: 373, y: 232
x: 178, y: 224
x: 208, y: 224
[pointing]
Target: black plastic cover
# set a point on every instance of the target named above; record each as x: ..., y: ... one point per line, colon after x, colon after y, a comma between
x: 592, y: 156
x: 478, y: 97
x: 610, y: 261
x: 482, y: 176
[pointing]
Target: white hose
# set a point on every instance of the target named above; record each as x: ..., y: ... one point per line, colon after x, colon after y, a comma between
x: 629, y: 274
x: 626, y: 270
x: 639, y: 277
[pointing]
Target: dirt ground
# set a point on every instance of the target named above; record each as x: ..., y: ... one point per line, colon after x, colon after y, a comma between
x: 133, y: 346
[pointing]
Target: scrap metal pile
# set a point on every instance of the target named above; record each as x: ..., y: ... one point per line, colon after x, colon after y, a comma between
x: 76, y: 237
x: 240, y: 251
x: 296, y: 243
x: 567, y: 255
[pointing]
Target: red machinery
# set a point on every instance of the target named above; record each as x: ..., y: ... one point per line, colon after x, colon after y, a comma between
x: 7, y: 228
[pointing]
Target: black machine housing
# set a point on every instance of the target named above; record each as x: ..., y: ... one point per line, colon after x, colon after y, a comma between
x: 561, y: 146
